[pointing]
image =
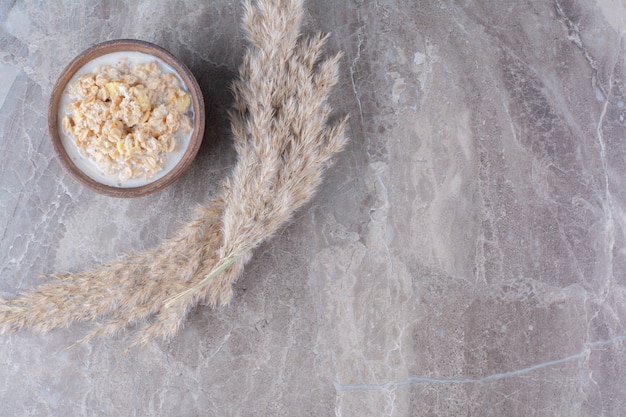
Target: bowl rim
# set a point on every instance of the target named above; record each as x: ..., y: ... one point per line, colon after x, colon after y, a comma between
x: 126, y: 45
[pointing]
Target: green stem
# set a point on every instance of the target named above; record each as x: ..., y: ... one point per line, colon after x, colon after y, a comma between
x: 222, y: 265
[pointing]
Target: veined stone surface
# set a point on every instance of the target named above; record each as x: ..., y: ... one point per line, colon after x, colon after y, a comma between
x: 466, y: 255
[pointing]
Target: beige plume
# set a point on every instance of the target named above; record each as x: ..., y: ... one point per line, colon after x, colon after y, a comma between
x: 284, y: 139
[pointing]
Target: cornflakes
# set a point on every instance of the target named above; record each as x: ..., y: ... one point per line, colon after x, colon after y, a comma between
x: 127, y: 119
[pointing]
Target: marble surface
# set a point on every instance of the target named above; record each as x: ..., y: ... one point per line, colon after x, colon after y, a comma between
x: 465, y: 256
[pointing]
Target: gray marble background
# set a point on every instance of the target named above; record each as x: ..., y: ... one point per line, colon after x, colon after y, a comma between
x: 466, y: 256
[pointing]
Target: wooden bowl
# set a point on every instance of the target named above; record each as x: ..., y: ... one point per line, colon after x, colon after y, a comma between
x: 67, y: 152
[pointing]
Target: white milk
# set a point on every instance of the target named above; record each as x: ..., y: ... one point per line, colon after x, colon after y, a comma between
x: 91, y: 168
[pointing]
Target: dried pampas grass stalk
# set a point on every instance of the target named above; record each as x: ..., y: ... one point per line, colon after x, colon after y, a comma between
x: 284, y: 140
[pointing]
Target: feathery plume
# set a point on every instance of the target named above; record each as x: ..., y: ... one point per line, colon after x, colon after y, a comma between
x: 284, y: 139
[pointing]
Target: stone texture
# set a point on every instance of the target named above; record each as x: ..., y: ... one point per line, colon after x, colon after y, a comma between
x: 465, y: 256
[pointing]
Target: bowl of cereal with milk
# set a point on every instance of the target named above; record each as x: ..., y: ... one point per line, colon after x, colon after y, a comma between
x: 126, y: 118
